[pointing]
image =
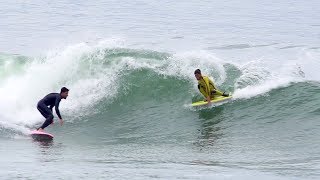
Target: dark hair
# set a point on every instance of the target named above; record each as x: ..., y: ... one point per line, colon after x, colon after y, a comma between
x: 64, y: 89
x: 197, y: 71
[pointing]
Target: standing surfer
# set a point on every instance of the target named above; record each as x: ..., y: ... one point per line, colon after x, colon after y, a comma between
x: 51, y: 100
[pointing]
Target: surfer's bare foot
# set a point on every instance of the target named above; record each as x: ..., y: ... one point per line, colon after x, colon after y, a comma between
x: 40, y: 129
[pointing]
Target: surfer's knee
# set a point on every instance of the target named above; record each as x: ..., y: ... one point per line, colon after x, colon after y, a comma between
x: 50, y: 117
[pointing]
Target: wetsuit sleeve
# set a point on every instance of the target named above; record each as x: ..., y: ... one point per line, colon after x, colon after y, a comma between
x: 202, y: 90
x: 57, y: 107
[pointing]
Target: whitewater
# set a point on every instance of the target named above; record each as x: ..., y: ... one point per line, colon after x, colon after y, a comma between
x: 129, y: 68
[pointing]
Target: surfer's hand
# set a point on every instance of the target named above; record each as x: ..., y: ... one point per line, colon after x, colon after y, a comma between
x: 61, y: 122
x: 208, y: 99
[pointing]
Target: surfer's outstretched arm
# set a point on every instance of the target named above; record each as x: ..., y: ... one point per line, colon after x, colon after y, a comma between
x: 57, y: 110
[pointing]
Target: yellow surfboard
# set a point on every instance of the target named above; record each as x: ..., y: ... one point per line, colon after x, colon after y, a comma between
x: 216, y: 99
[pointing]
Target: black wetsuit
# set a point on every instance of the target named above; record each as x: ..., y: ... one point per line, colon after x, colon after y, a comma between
x: 52, y: 99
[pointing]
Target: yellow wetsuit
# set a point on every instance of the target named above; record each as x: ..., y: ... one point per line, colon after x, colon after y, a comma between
x: 207, y: 88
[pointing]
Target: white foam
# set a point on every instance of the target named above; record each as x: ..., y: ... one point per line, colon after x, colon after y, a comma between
x: 184, y: 65
x: 309, y: 63
x: 259, y: 77
x: 88, y: 82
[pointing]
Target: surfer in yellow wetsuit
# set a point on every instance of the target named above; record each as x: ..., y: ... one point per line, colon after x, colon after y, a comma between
x: 206, y: 86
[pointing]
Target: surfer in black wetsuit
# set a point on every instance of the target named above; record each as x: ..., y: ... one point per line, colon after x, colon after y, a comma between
x: 51, y: 100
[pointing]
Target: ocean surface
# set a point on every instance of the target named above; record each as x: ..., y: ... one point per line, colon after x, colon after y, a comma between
x: 129, y: 67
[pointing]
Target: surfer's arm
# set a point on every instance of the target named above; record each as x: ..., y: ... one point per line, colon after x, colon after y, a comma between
x: 57, y: 107
x: 208, y: 99
x: 203, y: 92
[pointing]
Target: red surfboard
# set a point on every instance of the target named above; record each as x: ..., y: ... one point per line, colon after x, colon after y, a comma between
x: 41, y: 136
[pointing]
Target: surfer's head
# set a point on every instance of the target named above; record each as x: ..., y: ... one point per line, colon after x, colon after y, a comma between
x: 64, y: 92
x: 197, y: 74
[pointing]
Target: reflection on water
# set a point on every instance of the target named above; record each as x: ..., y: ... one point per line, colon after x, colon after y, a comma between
x: 211, y: 113
x: 48, y: 151
x: 44, y: 143
x: 209, y: 131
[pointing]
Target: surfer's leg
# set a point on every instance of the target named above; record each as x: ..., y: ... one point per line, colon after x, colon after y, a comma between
x: 217, y: 92
x: 46, y: 112
x: 42, y: 112
x: 47, y: 122
x: 225, y: 94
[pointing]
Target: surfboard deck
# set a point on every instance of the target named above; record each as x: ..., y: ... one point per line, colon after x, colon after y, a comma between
x: 41, y: 136
x: 216, y: 99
